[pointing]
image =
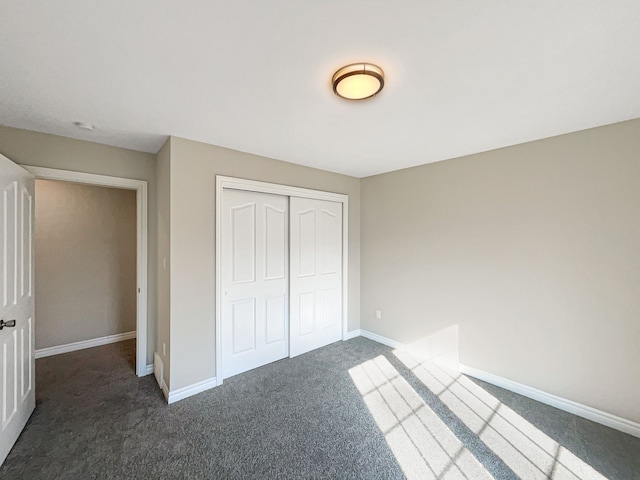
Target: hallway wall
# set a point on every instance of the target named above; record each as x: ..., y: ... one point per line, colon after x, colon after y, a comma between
x: 85, y: 248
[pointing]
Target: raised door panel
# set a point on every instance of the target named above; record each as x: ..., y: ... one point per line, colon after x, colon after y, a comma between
x: 243, y: 243
x: 9, y: 377
x: 306, y: 313
x: 330, y: 242
x: 26, y: 248
x: 16, y: 373
x: 27, y: 355
x: 329, y: 314
x: 243, y: 326
x: 306, y: 239
x: 10, y: 244
x: 276, y: 319
x: 275, y: 232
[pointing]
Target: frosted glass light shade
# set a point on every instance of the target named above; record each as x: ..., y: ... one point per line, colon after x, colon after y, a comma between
x: 358, y: 81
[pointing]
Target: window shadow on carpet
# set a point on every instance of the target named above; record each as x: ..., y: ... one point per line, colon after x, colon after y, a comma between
x: 461, y: 430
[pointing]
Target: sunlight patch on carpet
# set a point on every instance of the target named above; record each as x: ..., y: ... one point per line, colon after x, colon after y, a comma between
x: 423, y: 445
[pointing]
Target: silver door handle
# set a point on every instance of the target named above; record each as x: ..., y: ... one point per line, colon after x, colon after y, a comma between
x: 10, y: 323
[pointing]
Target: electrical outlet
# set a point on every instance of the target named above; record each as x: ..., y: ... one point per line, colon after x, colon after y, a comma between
x: 378, y: 314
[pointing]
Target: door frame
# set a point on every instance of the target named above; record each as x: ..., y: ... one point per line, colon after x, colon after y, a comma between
x: 140, y: 186
x: 234, y: 183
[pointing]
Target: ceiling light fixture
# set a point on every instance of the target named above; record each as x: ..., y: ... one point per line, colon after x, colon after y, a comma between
x: 358, y: 81
x: 84, y: 126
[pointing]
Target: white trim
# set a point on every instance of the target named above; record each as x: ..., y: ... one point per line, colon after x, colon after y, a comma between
x: 165, y: 391
x: 140, y: 186
x: 94, y: 342
x: 286, y: 190
x: 218, y: 292
x: 223, y: 182
x: 218, y: 288
x: 345, y: 266
x: 352, y: 334
x: 570, y: 406
x: 158, y: 368
x: 383, y: 340
x: 149, y: 369
x: 179, y: 394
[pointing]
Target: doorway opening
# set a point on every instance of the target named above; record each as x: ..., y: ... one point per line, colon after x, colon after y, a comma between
x: 91, y: 268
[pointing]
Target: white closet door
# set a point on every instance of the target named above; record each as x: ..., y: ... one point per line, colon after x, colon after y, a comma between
x: 316, y: 274
x: 254, y: 267
x: 17, y: 389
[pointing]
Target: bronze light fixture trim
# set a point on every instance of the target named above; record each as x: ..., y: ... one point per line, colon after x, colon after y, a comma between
x: 358, y: 81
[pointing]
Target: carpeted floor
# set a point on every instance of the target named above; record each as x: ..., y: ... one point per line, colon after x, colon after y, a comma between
x: 347, y: 411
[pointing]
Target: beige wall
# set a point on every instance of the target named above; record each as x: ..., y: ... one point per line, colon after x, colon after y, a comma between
x: 85, y: 258
x: 532, y: 250
x: 194, y: 167
x: 42, y: 150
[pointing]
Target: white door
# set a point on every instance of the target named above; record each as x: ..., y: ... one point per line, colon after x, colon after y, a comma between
x: 17, y: 389
x: 254, y: 267
x: 316, y: 274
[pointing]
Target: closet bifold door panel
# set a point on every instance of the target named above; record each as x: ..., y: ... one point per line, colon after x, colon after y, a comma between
x: 315, y: 274
x: 254, y: 271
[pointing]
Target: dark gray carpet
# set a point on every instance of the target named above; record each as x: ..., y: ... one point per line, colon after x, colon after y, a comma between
x: 296, y: 418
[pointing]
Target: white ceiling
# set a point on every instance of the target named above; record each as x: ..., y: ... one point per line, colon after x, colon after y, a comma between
x: 461, y: 76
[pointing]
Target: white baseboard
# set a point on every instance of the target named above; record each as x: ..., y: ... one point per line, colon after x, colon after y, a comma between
x: 94, y: 342
x: 180, y: 393
x: 383, y: 340
x: 158, y: 368
x: 149, y: 369
x: 590, y: 413
x: 352, y: 334
x: 165, y: 391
